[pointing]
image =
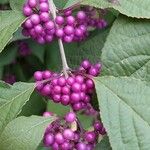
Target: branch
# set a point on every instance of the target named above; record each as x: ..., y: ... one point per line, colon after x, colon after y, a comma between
x: 53, y: 10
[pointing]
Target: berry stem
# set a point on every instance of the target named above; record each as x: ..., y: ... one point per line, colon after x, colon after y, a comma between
x: 61, y: 46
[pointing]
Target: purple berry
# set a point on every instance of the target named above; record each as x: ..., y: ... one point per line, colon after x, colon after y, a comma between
x: 81, y: 15
x: 70, y: 117
x: 48, y: 139
x: 57, y: 98
x: 47, y: 114
x: 44, y: 7
x: 49, y: 25
x: 89, y: 83
x: 70, y: 80
x: 62, y: 81
x: 47, y: 74
x: 38, y: 29
x: 79, y: 79
x: 57, y: 89
x: 68, y: 39
x: 59, y: 20
x: 66, y: 90
x: 90, y: 137
x: 81, y: 146
x: 65, y: 99
x: 27, y: 11
x: 86, y: 64
x: 38, y: 75
x: 28, y: 24
x: 35, y: 19
x: 76, y: 87
x: 75, y: 97
x: 44, y: 16
x: 59, y: 138
x: 68, y: 134
x: 32, y: 3
x: 70, y: 20
x: 59, y: 33
x: 69, y: 30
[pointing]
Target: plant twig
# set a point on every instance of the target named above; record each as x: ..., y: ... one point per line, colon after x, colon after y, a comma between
x: 61, y: 47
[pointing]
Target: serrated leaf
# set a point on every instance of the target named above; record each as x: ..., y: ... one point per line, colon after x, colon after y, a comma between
x: 24, y: 133
x: 10, y: 21
x: 104, y: 144
x: 125, y: 108
x: 126, y: 51
x: 12, y: 99
x: 36, y: 105
x: 131, y: 8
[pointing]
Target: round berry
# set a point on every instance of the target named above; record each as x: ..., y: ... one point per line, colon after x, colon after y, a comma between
x: 70, y: 117
x: 59, y: 138
x: 81, y: 146
x: 76, y: 87
x: 69, y: 30
x: 68, y: 134
x: 90, y: 137
x: 32, y: 3
x: 65, y: 99
x: 49, y: 25
x: 59, y: 20
x: 70, y: 20
x: 59, y: 33
x: 62, y: 81
x: 57, y: 89
x: 81, y: 15
x: 38, y: 75
x: 44, y: 7
x: 35, y: 19
x: 86, y: 64
x: 27, y: 11
x: 49, y: 139
x: 75, y: 97
x: 44, y: 16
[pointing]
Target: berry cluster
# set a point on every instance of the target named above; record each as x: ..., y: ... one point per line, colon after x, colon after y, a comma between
x: 60, y: 136
x: 43, y: 28
x: 23, y: 49
x: 9, y: 78
x: 39, y: 24
x: 76, y: 90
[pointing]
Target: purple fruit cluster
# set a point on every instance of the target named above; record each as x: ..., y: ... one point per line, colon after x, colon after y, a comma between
x: 76, y: 90
x: 70, y: 28
x: 39, y: 24
x: 60, y: 136
x: 9, y: 78
x: 23, y: 49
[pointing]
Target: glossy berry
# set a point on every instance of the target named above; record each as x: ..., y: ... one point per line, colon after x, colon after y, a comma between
x: 70, y: 117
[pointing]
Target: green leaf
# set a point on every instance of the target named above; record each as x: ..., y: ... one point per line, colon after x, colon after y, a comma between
x: 24, y: 133
x: 17, y: 5
x: 104, y: 144
x: 126, y: 51
x: 12, y: 99
x: 37, y: 49
x: 58, y: 109
x: 124, y: 104
x: 36, y: 105
x: 8, y: 55
x: 18, y: 36
x: 10, y: 21
x: 60, y: 4
x: 131, y: 8
x: 4, y: 1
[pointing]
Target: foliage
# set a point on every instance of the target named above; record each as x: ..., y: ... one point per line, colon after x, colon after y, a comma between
x: 122, y: 89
